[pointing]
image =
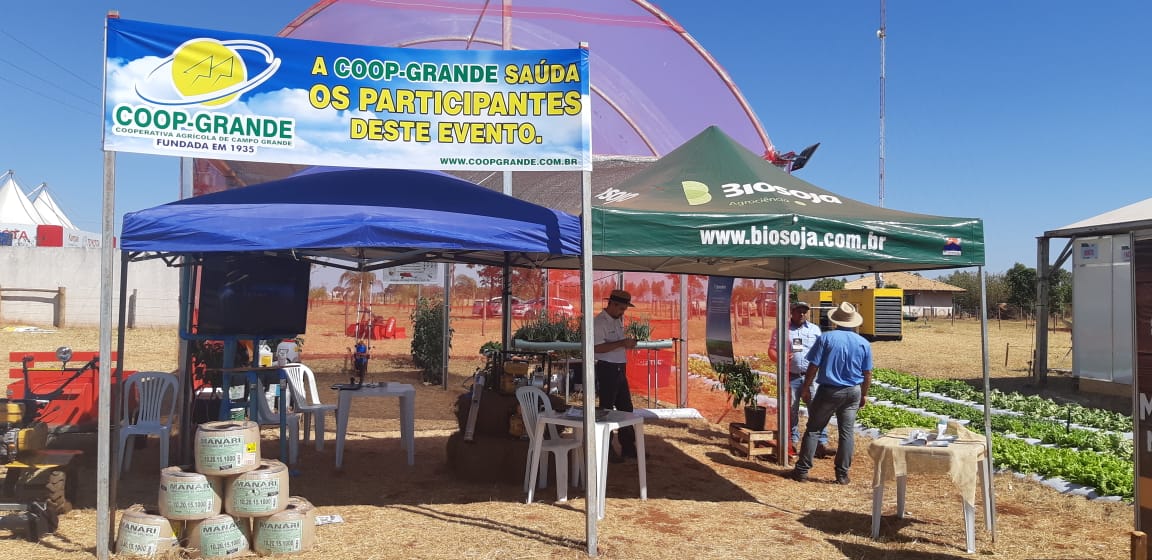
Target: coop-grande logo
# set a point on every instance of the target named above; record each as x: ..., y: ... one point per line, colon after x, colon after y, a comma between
x: 697, y: 193
x: 209, y: 74
x: 206, y: 72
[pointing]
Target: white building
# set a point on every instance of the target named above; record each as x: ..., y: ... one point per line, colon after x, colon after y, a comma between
x: 1102, y: 304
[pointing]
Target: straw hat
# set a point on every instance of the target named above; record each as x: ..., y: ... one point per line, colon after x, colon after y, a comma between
x: 845, y: 316
x: 621, y: 296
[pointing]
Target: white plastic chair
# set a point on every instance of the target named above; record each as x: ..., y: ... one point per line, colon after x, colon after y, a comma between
x: 532, y: 401
x: 306, y: 400
x: 265, y: 416
x: 154, y: 394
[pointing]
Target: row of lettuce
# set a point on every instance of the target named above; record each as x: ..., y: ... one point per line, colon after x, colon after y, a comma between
x: 1080, y: 445
x: 1097, y: 458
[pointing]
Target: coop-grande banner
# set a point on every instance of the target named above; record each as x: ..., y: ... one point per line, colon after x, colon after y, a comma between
x: 189, y: 92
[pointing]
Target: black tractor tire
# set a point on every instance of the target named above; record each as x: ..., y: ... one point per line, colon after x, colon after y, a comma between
x: 52, y: 487
x: 56, y: 492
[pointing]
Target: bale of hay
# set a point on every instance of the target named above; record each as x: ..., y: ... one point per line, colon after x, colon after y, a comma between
x: 488, y: 459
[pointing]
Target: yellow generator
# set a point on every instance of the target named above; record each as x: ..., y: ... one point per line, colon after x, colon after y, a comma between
x: 882, y: 309
x: 819, y: 303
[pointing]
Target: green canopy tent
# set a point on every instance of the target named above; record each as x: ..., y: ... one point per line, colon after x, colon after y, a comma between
x: 713, y: 207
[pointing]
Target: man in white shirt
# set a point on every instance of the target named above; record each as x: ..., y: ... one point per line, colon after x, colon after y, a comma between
x: 611, y: 346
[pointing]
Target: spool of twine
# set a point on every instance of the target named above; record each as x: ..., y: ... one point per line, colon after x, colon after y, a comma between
x: 258, y: 493
x: 143, y: 532
x: 227, y: 447
x: 187, y: 495
x: 288, y: 532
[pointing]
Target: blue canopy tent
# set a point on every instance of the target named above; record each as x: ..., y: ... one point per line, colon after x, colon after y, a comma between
x: 355, y: 219
x: 359, y: 219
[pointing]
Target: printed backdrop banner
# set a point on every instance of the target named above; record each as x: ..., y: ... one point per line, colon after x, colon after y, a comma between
x: 415, y: 273
x: 189, y: 92
x: 718, y: 321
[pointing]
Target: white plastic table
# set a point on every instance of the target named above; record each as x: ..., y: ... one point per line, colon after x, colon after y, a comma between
x: 407, y: 395
x: 961, y: 459
x: 614, y: 420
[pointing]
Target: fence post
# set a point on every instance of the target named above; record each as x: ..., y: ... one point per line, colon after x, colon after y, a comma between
x: 131, y: 320
x: 1007, y: 345
x: 60, y: 308
x: 1139, y: 545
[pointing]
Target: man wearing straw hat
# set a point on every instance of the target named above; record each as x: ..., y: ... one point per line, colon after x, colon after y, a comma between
x: 841, y: 361
x: 612, y: 346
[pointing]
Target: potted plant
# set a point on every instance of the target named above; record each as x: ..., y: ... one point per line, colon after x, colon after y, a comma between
x: 743, y: 385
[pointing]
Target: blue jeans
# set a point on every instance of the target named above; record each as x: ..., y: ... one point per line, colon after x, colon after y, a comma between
x: 794, y: 413
x: 844, y: 402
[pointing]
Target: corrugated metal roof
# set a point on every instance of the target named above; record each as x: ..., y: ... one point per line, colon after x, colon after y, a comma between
x: 1135, y: 216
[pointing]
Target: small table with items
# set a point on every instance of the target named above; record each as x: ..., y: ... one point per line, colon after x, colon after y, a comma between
x: 407, y: 395
x: 964, y: 459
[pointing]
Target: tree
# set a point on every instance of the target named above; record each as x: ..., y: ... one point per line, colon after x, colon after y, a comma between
x: 464, y: 287
x: 658, y: 291
x: 1060, y: 291
x: 640, y: 290
x: 1021, y: 282
x: 794, y: 289
x: 828, y: 284
x: 359, y: 285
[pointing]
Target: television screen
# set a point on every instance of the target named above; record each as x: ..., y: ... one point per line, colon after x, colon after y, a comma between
x: 242, y: 294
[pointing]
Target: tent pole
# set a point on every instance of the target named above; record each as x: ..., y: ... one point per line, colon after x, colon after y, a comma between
x: 987, y: 474
x: 682, y: 373
x: 444, y: 340
x: 506, y: 304
x: 188, y: 283
x: 591, y: 464
x: 783, y: 384
x: 114, y: 396
x: 104, y: 379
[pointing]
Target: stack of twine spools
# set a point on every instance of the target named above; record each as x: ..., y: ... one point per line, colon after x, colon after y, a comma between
x: 232, y: 502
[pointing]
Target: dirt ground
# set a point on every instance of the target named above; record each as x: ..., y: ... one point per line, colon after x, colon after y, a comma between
x: 703, y: 501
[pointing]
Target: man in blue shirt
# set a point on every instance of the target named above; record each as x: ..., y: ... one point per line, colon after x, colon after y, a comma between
x: 801, y: 336
x: 841, y: 361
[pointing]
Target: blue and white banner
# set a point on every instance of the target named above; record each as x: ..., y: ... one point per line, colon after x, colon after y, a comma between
x: 190, y: 92
x: 718, y: 321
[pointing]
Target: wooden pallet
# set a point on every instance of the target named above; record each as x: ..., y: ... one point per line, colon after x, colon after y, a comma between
x: 750, y: 443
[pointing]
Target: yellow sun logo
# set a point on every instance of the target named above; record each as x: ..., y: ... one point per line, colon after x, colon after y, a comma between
x: 206, y: 66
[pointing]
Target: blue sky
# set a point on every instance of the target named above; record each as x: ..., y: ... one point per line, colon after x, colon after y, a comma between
x: 1030, y: 115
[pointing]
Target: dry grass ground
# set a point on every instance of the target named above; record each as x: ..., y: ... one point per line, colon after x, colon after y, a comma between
x: 704, y: 502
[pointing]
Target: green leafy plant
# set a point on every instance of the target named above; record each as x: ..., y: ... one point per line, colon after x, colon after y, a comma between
x: 491, y: 347
x: 428, y: 339
x: 550, y: 327
x: 740, y: 382
x: 640, y: 329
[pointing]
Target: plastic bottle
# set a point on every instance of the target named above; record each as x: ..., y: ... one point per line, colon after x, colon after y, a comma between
x: 941, y: 426
x: 265, y: 355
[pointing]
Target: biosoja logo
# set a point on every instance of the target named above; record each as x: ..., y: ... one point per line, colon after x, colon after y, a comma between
x: 697, y: 193
x: 616, y: 195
